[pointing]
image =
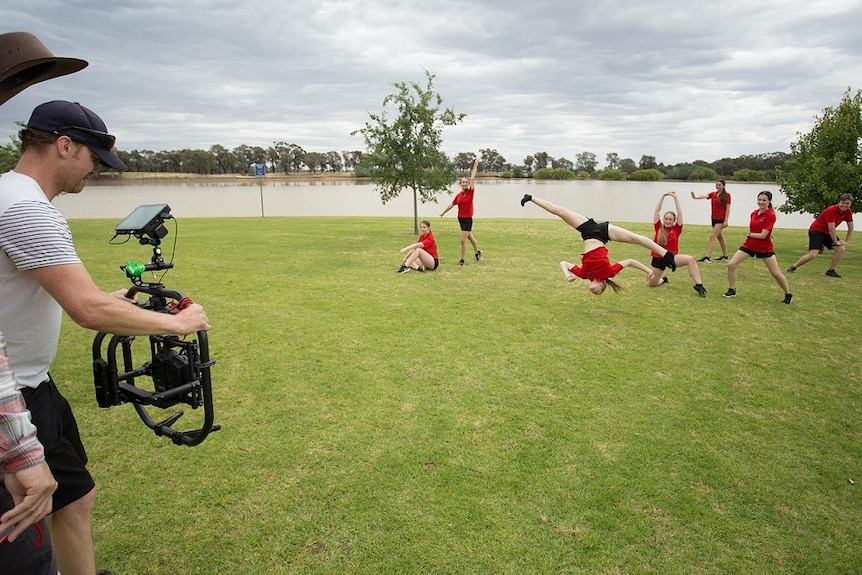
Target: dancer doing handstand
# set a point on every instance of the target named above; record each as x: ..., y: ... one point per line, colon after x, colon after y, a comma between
x: 595, y: 264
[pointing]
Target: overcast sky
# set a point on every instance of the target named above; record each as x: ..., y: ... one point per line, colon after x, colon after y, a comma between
x: 675, y: 79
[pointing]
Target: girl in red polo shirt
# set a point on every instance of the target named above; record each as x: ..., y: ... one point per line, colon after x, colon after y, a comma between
x: 421, y: 255
x: 464, y: 201
x: 668, y: 228
x: 595, y: 264
x: 758, y: 244
x: 720, y: 209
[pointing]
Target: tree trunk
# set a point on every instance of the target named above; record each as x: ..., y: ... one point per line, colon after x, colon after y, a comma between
x: 415, y: 211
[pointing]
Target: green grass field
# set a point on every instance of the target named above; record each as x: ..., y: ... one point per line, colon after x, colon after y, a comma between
x: 485, y: 419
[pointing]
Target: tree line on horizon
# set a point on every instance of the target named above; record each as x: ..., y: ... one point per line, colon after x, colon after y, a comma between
x: 283, y: 158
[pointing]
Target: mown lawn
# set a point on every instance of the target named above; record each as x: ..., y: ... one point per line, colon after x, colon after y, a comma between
x: 485, y: 419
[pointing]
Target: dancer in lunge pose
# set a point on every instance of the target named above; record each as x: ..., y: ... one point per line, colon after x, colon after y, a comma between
x: 595, y: 264
x: 758, y: 244
x: 668, y: 228
x: 822, y: 234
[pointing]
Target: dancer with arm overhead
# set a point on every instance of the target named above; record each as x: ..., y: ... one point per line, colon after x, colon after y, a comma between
x: 668, y: 228
x: 464, y: 201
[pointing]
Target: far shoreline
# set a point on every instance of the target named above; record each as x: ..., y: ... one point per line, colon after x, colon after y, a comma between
x: 136, y: 178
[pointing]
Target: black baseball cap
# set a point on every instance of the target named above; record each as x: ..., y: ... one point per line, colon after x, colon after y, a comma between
x: 81, y: 125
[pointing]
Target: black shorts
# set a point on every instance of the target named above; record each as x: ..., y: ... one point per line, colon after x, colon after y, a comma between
x: 659, y: 263
x: 436, y: 264
x: 819, y: 240
x: 57, y: 430
x: 759, y: 255
x: 716, y: 222
x: 466, y: 224
x: 590, y: 230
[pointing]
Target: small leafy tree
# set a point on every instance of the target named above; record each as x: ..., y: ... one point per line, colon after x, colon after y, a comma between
x: 10, y: 153
x: 827, y: 161
x: 405, y: 153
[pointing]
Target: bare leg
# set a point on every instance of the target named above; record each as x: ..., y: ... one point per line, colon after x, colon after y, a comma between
x: 772, y: 265
x: 691, y: 265
x: 411, y: 258
x: 568, y: 216
x: 464, y: 243
x: 73, y: 538
x: 807, y: 258
x: 657, y: 278
x: 836, y: 257
x: 716, y: 234
x: 619, y: 234
x: 721, y: 241
x: 473, y: 241
x: 734, y: 262
x: 426, y: 259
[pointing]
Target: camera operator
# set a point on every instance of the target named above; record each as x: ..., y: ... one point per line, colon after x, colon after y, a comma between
x: 26, y: 483
x: 63, y: 145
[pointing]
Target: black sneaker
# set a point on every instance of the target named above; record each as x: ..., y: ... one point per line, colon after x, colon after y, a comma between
x: 478, y: 255
x: 730, y: 293
x: 788, y: 297
x: 792, y: 269
x: 420, y: 269
x: 705, y: 259
x: 832, y: 274
x: 460, y: 262
x: 525, y: 199
x: 403, y: 269
x: 664, y: 279
x: 724, y: 258
x: 701, y: 291
x: 104, y: 572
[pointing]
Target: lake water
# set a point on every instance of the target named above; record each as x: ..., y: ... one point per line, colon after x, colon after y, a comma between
x: 619, y: 202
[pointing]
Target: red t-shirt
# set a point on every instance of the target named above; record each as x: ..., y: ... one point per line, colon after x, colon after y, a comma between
x: 673, y: 233
x: 758, y: 223
x: 719, y: 212
x: 595, y: 265
x: 464, y: 201
x: 831, y: 214
x: 428, y: 244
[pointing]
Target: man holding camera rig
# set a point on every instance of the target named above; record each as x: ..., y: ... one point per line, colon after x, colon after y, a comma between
x: 26, y: 483
x: 41, y: 275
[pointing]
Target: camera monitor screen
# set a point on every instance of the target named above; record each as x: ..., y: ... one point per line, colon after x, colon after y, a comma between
x: 143, y: 219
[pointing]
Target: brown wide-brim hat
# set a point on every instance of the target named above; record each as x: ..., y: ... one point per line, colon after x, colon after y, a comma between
x: 25, y: 61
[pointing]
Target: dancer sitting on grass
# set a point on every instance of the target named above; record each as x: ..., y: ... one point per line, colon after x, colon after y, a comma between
x: 758, y: 244
x: 595, y: 265
x: 668, y: 228
x: 421, y: 255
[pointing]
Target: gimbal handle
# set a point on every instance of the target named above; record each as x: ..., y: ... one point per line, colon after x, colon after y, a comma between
x: 114, y: 387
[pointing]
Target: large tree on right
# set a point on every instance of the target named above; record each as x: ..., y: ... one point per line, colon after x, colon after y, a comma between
x: 827, y: 161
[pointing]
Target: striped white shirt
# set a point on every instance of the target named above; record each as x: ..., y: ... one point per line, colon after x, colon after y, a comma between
x: 33, y: 234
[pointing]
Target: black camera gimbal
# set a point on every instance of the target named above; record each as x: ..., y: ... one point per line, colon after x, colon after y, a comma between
x: 179, y: 368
